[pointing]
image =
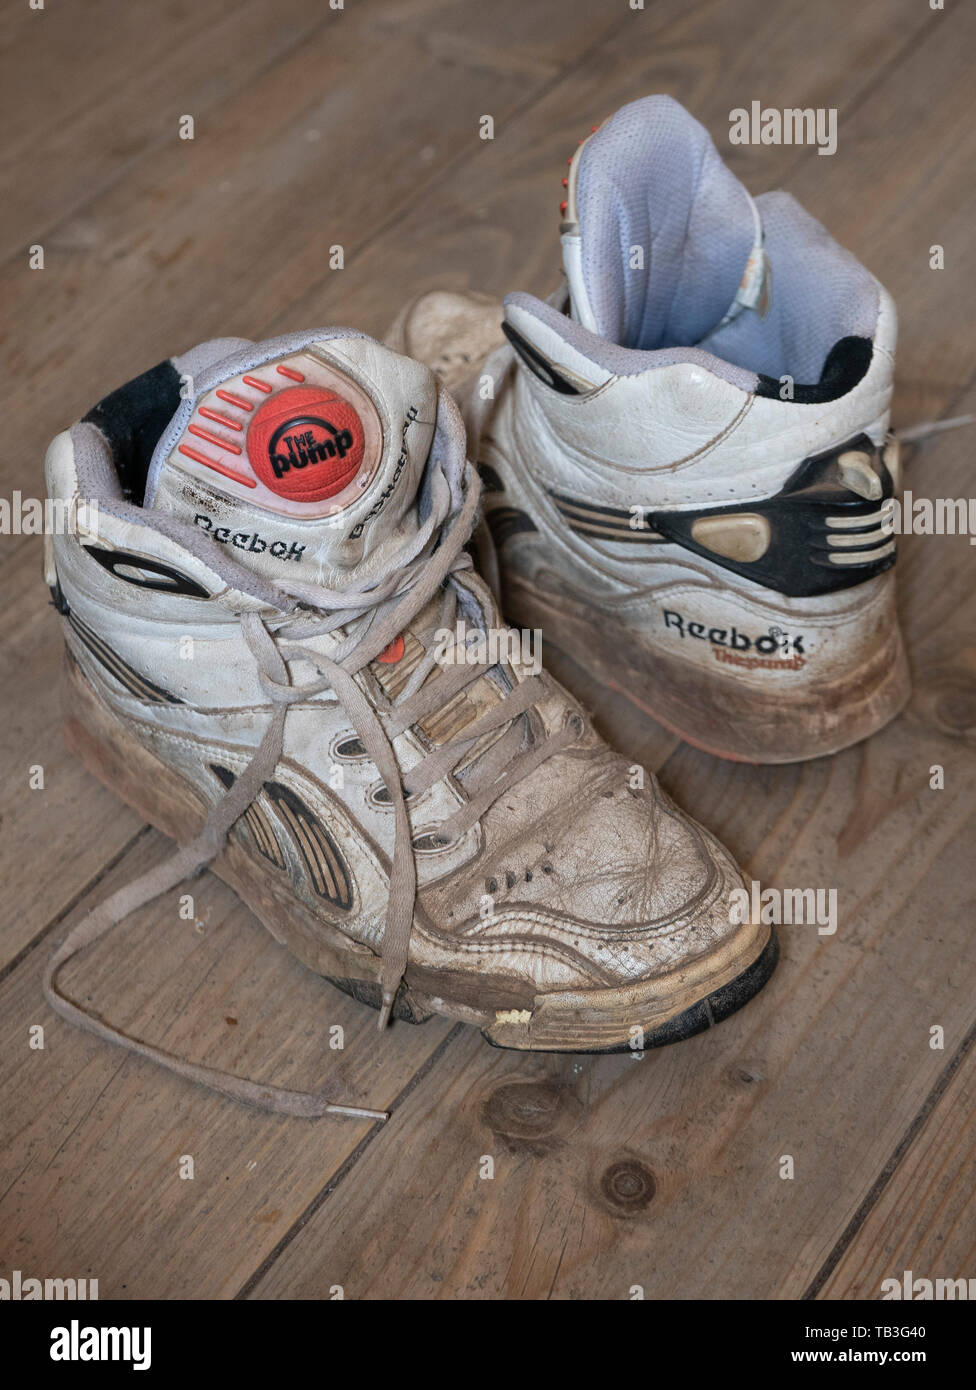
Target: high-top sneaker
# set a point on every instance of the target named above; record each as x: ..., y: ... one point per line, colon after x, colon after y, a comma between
x: 279, y: 652
x: 685, y: 451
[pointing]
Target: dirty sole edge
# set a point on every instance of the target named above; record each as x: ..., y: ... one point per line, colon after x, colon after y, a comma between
x: 698, y: 1017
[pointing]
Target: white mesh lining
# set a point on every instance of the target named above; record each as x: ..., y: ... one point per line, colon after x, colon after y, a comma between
x: 652, y: 177
x: 623, y: 361
x: 820, y: 293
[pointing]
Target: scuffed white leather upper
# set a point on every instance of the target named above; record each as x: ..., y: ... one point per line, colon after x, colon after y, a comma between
x: 592, y: 882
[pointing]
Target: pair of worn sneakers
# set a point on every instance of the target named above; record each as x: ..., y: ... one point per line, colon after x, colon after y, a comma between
x: 281, y: 650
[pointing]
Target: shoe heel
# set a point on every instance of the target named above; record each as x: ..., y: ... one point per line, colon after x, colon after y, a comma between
x: 121, y: 763
x: 717, y: 713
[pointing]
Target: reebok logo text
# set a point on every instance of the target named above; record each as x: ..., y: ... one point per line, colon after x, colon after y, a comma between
x: 249, y: 540
x: 766, y: 645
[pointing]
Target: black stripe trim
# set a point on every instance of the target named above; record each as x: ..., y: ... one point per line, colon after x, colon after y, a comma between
x: 321, y: 855
x: 168, y: 581
x: 505, y: 522
x: 136, y: 684
x: 538, y: 365
x: 846, y: 364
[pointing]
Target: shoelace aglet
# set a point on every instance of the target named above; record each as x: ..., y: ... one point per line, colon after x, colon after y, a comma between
x: 386, y: 1008
x: 358, y: 1112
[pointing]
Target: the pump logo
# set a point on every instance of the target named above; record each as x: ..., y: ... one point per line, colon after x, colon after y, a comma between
x: 304, y: 441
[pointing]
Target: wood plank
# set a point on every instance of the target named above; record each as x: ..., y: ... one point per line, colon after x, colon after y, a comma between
x: 924, y: 1213
x: 96, y: 87
x: 820, y: 1062
x: 936, y: 601
x: 92, y: 1137
x: 71, y: 817
x: 211, y: 237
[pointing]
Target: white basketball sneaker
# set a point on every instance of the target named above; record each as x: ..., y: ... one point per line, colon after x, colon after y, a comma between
x: 255, y: 619
x: 685, y: 451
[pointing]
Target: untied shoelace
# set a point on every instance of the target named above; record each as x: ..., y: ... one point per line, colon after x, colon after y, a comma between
x: 372, y: 619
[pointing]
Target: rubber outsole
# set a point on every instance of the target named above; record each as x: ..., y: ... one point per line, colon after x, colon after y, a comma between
x: 699, y: 1017
x: 712, y: 711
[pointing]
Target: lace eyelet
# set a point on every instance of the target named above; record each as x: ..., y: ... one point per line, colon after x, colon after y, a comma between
x: 380, y: 796
x: 432, y: 842
x: 349, y: 749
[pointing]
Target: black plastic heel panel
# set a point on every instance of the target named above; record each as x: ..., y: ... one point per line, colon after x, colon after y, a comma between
x: 817, y: 508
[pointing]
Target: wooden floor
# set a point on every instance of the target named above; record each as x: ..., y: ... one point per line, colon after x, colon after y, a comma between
x: 360, y: 127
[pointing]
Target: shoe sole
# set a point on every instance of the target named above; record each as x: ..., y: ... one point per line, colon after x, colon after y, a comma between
x: 712, y: 1009
x: 717, y: 714
x: 651, y: 1013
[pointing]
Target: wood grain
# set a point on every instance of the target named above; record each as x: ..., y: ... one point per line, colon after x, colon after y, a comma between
x: 608, y: 1172
x: 93, y: 1137
x: 924, y: 1216
x: 112, y: 99
x: 71, y: 816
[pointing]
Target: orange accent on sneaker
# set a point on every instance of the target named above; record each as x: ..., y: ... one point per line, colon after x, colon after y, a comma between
x: 235, y: 400
x: 215, y: 415
x: 257, y: 384
x: 227, y: 444
x: 390, y: 655
x: 217, y: 467
x: 290, y: 373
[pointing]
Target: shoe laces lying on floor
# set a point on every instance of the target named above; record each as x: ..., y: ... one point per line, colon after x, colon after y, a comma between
x: 926, y: 429
x: 367, y: 620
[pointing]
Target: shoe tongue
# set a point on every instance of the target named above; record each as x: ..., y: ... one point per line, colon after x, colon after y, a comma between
x: 304, y: 460
x: 660, y: 240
